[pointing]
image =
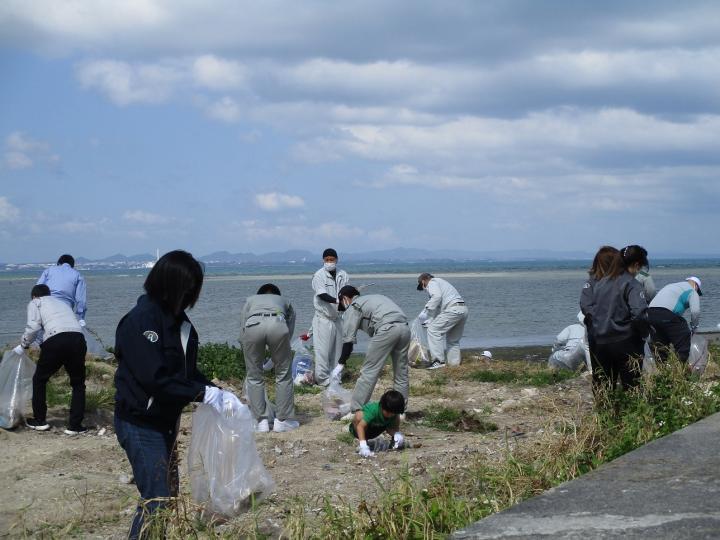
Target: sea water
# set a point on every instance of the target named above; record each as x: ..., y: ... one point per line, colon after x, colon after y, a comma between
x: 509, y: 304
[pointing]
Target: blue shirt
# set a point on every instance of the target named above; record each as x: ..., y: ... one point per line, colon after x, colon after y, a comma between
x: 68, y: 285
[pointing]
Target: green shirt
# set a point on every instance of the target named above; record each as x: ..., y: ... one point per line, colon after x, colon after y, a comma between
x: 373, y: 415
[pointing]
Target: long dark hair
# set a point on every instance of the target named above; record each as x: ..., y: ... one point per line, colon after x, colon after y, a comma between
x: 175, y: 281
x: 602, y: 262
x: 625, y: 258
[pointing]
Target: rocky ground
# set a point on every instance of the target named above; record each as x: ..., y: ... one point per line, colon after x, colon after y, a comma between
x: 57, y: 486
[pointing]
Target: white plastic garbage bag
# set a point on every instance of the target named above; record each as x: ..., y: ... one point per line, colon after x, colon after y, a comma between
x: 302, y: 364
x: 418, y: 353
x: 226, y: 472
x: 16, y: 373
x: 336, y: 400
x: 698, y: 354
x: 95, y: 347
x: 568, y: 359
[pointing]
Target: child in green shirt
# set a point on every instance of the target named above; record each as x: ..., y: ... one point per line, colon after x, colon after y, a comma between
x: 376, y: 418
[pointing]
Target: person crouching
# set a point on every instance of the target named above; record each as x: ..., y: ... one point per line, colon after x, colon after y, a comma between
x: 376, y: 418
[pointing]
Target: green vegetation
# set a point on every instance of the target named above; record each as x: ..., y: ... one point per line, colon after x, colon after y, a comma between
x: 221, y: 361
x: 621, y: 422
x: 520, y: 373
x: 346, y: 438
x: 434, y: 386
x: 447, y: 419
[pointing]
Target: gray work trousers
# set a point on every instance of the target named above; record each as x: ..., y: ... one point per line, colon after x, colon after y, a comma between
x: 444, y: 333
x: 394, y: 340
x: 327, y: 341
x: 273, y: 333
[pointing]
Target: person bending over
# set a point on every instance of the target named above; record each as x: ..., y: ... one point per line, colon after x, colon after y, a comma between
x: 376, y: 418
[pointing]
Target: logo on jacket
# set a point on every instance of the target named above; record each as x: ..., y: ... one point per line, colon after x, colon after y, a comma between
x: 151, y: 336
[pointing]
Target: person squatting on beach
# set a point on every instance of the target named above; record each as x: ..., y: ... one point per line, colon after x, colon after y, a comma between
x: 571, y: 349
x: 444, y: 317
x: 616, y: 315
x: 268, y: 322
x: 387, y: 326
x: 376, y: 418
x: 67, y: 284
x: 63, y: 346
x: 666, y: 317
x: 326, y: 324
x: 156, y: 347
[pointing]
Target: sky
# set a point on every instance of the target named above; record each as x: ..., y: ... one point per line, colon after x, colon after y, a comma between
x: 131, y: 125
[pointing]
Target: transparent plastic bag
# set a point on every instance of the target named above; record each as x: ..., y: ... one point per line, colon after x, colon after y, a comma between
x: 226, y: 472
x: 302, y: 364
x: 95, y: 348
x: 16, y: 373
x: 336, y: 400
x: 418, y: 353
x: 698, y: 354
x: 568, y: 359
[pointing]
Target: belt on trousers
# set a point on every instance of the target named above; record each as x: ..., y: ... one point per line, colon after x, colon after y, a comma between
x: 266, y: 315
x: 456, y: 304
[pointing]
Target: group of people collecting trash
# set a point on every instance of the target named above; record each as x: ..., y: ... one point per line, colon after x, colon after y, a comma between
x: 156, y: 347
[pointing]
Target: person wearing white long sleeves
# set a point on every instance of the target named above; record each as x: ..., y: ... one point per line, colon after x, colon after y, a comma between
x: 327, y: 324
x: 444, y: 316
x: 571, y: 347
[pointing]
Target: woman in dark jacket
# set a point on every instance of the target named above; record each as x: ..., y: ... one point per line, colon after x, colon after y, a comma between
x: 156, y: 347
x: 617, y: 316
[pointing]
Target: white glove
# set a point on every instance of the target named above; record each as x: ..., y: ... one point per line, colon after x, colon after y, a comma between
x: 82, y: 322
x: 267, y: 366
x: 423, y: 316
x: 399, y: 440
x: 18, y: 350
x: 364, y: 450
x: 214, y: 398
x: 231, y: 403
x: 337, y: 371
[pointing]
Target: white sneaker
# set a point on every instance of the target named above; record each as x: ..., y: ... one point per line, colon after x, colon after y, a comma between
x: 262, y: 426
x: 437, y: 365
x: 285, y: 425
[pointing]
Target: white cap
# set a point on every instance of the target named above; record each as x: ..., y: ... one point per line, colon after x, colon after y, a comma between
x: 487, y: 354
x: 696, y: 281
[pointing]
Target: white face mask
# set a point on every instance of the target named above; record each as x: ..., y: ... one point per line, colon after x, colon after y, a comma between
x: 329, y: 266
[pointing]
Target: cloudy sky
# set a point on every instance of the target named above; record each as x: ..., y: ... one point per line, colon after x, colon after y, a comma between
x: 131, y: 125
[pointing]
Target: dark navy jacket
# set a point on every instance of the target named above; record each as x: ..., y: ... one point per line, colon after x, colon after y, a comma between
x: 155, y: 379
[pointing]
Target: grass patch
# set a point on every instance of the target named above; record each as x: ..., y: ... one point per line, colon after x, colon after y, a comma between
x: 100, y: 399
x: 572, y: 445
x: 221, y: 361
x: 447, y: 419
x: 346, y: 438
x: 519, y: 373
x: 305, y: 389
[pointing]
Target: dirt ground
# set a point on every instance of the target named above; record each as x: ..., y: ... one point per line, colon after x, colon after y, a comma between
x: 55, y: 485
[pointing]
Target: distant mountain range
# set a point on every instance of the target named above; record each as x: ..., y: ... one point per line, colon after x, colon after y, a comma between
x: 399, y: 255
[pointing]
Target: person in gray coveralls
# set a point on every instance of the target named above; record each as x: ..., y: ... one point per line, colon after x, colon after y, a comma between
x: 268, y: 321
x: 387, y: 326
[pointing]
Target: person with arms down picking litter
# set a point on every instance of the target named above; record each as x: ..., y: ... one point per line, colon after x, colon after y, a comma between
x: 376, y: 418
x: 156, y: 347
x: 268, y: 322
x: 63, y: 346
x: 444, y: 316
x: 326, y: 325
x: 666, y: 317
x: 387, y: 326
x: 67, y: 284
x: 570, y: 349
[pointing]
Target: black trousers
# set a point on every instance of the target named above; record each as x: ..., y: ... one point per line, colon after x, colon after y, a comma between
x: 66, y: 349
x: 670, y: 328
x: 617, y: 361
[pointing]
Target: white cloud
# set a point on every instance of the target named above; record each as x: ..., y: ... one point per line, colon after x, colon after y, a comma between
x: 22, y: 151
x: 308, y: 235
x: 218, y: 73
x: 225, y: 109
x: 126, y: 83
x: 277, y: 201
x: 146, y: 218
x: 17, y: 160
x: 8, y: 212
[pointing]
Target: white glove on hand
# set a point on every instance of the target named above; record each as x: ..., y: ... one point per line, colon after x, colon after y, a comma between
x: 267, y: 366
x: 18, y: 350
x: 399, y: 440
x: 364, y: 450
x: 214, y: 398
x: 337, y: 371
x: 82, y: 323
x: 423, y: 316
x: 231, y: 403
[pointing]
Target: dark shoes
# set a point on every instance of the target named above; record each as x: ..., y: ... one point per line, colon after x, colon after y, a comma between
x: 36, y: 425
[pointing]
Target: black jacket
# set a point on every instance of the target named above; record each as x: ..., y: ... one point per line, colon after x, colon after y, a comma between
x: 155, y: 379
x: 618, y: 309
